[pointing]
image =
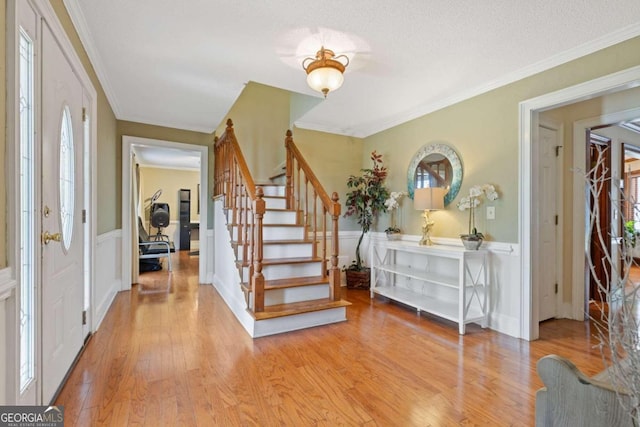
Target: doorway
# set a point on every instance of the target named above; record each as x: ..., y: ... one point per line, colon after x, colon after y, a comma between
x: 130, y: 145
x: 530, y: 249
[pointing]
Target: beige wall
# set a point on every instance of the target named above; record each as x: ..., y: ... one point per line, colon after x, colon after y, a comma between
x: 484, y: 132
x: 170, y: 181
x: 320, y: 151
x: 260, y: 118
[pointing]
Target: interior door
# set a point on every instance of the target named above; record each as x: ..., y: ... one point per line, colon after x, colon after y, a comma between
x: 548, y: 223
x: 62, y: 296
x: 600, y: 245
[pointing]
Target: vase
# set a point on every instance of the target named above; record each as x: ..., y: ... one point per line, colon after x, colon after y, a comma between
x: 358, y: 279
x: 393, y: 236
x: 471, y: 242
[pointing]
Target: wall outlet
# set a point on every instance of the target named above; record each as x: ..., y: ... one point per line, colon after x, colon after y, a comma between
x: 491, y: 212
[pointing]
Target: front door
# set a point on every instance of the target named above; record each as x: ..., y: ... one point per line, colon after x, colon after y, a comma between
x: 62, y: 296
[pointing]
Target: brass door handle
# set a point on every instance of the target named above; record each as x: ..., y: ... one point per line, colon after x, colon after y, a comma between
x: 46, y: 237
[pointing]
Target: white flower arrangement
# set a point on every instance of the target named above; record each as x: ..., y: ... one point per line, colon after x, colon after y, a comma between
x: 391, y: 204
x: 473, y: 201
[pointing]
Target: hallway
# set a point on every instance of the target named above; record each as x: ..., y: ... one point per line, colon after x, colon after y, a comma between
x: 169, y: 352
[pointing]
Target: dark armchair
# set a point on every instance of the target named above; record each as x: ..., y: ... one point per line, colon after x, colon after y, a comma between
x: 149, y: 249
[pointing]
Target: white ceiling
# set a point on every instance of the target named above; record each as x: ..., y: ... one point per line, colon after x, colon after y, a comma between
x: 183, y: 63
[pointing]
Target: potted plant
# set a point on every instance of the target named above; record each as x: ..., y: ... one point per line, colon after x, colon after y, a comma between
x: 365, y: 199
x: 391, y: 204
x: 474, y: 239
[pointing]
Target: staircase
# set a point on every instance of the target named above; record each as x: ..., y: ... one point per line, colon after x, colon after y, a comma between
x: 279, y: 244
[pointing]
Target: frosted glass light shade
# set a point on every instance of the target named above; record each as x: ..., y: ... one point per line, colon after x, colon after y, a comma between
x: 430, y: 198
x: 325, y: 79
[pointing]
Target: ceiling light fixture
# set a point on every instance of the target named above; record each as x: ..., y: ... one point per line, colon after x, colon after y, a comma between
x: 324, y: 73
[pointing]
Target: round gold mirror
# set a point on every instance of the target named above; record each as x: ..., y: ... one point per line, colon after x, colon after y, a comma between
x: 435, y: 165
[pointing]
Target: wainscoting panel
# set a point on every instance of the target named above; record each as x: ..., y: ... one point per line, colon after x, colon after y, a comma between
x: 108, y: 273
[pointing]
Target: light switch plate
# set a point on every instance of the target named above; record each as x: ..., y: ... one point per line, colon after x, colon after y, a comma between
x: 491, y: 212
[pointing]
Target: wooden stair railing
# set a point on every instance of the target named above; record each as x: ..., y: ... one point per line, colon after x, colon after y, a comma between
x: 313, y: 209
x: 234, y: 181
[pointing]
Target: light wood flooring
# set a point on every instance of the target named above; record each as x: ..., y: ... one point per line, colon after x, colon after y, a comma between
x: 170, y: 353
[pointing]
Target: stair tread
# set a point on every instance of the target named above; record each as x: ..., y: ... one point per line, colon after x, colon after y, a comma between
x: 275, y: 209
x: 290, y: 283
x: 268, y: 184
x: 281, y: 310
x: 280, y: 242
x: 280, y: 261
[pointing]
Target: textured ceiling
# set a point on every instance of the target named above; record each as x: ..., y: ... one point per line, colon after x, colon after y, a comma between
x: 183, y: 63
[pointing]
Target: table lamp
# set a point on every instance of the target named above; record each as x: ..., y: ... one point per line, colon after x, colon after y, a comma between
x: 428, y: 199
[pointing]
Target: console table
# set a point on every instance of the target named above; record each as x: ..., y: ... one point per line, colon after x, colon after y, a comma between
x: 447, y: 281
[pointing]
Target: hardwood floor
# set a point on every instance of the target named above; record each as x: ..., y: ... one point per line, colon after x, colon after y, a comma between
x: 170, y: 353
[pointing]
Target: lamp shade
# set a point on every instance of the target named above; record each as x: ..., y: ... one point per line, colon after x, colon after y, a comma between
x: 430, y: 198
x: 325, y: 79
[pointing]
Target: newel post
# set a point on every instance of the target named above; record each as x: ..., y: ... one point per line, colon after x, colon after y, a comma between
x: 289, y: 170
x: 257, y: 281
x: 334, y: 272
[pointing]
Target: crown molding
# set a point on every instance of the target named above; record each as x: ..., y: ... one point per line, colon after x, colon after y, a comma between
x: 80, y: 24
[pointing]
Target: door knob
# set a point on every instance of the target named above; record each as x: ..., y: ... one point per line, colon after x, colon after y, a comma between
x: 46, y: 237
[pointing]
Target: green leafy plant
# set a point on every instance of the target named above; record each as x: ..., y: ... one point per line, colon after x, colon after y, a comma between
x: 630, y: 233
x: 366, y: 199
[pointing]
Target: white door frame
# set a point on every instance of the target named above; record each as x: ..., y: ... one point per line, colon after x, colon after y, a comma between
x: 127, y: 153
x: 44, y: 9
x: 528, y: 123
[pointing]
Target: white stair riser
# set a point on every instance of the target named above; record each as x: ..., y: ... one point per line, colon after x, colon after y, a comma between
x: 273, y: 190
x: 275, y: 203
x: 282, y: 250
x: 279, y: 217
x: 274, y: 233
x: 291, y: 271
x: 297, y: 294
x: 285, y: 271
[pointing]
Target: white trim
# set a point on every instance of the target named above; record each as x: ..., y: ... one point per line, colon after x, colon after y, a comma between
x: 528, y: 117
x: 7, y: 283
x: 579, y: 237
x: 127, y: 150
x: 367, y: 129
x: 109, y: 282
x: 80, y: 24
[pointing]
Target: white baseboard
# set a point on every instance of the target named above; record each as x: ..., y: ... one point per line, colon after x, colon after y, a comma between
x: 104, y: 305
